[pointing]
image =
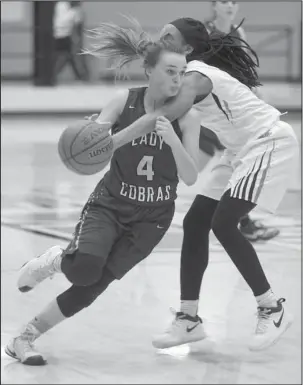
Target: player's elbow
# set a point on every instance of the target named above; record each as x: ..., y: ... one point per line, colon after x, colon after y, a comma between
x: 191, y: 178
x: 190, y: 182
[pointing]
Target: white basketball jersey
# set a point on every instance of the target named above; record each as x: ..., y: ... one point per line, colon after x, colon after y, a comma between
x: 232, y: 110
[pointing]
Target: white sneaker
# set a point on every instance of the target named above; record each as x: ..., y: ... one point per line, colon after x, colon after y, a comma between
x: 38, y: 269
x: 272, y: 323
x: 21, y: 348
x: 184, y: 329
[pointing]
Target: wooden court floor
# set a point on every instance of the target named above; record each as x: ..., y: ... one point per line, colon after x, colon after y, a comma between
x: 110, y: 342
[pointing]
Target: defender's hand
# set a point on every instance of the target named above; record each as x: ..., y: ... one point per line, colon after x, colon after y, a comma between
x: 165, y: 129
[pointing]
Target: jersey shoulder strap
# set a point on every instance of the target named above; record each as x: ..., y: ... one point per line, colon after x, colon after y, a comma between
x: 135, y: 95
x: 133, y: 108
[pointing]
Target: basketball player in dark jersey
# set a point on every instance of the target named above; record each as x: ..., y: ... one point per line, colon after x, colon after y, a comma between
x: 224, y: 13
x: 217, y: 65
x: 132, y: 207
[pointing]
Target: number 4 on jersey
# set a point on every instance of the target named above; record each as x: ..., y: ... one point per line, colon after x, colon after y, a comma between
x: 145, y: 167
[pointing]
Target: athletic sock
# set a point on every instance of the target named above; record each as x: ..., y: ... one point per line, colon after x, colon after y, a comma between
x: 189, y: 307
x: 268, y: 299
x: 48, y: 318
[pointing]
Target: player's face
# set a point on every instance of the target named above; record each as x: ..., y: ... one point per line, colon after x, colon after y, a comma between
x: 166, y: 77
x: 226, y: 9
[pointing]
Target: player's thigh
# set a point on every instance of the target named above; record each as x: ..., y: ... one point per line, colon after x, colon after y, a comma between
x: 137, y: 244
x: 263, y: 168
x: 215, y: 177
x: 96, y: 231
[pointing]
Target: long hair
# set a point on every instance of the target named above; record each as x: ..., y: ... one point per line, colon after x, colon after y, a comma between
x: 120, y: 46
x: 226, y: 52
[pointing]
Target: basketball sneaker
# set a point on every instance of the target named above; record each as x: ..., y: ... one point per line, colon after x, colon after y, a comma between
x: 38, y: 269
x: 254, y: 231
x: 22, y: 349
x: 271, y: 325
x: 183, y: 329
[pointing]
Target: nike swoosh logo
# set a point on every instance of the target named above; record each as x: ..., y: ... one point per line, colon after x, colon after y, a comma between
x: 278, y: 324
x: 191, y: 329
x: 131, y: 107
x: 160, y: 227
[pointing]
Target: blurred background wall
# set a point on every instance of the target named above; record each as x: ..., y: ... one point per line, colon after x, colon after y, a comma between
x: 273, y: 29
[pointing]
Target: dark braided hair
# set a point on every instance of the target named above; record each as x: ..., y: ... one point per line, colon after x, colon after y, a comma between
x: 226, y: 52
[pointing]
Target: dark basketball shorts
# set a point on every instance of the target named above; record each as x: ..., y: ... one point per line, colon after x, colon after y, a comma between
x: 120, y: 233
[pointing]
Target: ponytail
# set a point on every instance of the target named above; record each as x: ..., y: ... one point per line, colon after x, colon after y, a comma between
x: 119, y: 46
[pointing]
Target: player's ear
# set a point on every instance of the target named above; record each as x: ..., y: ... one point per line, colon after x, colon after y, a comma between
x: 188, y: 49
x: 148, y: 71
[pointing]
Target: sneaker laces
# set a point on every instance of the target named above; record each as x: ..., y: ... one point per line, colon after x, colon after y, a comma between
x: 47, y: 273
x: 28, y: 336
x: 27, y: 346
x: 263, y: 315
x: 176, y: 322
x: 30, y: 333
x: 44, y: 271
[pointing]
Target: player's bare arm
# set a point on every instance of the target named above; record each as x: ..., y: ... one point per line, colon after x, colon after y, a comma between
x: 190, y: 127
x: 111, y: 112
x: 110, y: 115
x: 186, y: 165
x: 194, y: 84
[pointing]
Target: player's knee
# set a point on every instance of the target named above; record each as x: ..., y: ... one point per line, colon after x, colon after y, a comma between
x: 198, y: 217
x: 75, y: 299
x: 85, y: 270
x: 221, y: 226
x: 189, y: 221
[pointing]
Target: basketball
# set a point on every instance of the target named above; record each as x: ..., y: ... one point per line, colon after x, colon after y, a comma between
x: 86, y: 147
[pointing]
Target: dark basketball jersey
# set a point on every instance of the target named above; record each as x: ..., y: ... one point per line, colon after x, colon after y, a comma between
x: 143, y: 171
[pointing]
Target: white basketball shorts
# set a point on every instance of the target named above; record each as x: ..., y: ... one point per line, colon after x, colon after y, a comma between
x: 259, y: 173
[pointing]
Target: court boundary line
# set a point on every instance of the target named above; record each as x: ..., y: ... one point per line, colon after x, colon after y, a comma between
x: 64, y: 237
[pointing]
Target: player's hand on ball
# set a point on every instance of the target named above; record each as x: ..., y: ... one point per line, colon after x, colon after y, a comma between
x: 86, y: 147
x: 165, y: 129
x: 92, y: 117
x: 105, y: 125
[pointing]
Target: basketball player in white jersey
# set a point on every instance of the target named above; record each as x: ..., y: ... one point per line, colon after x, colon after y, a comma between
x: 253, y: 170
x: 222, y: 21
